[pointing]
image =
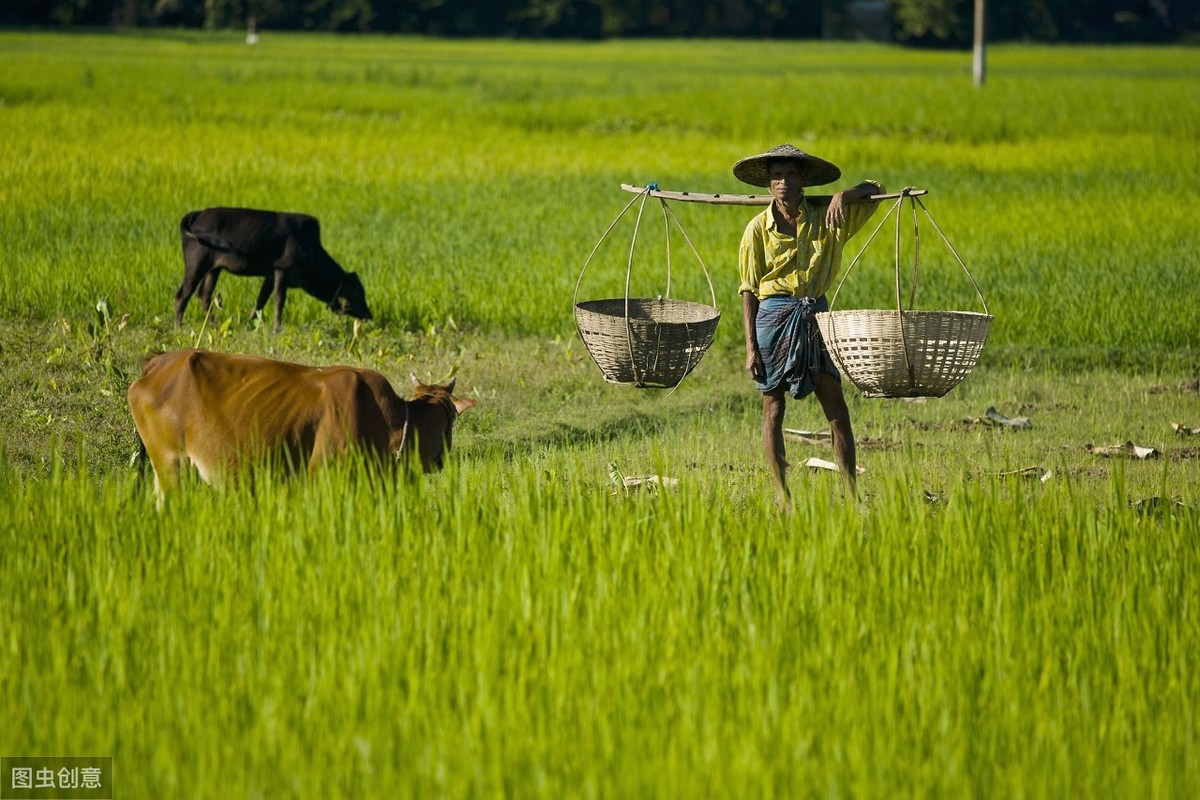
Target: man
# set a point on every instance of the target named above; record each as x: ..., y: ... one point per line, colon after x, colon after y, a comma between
x: 789, y: 256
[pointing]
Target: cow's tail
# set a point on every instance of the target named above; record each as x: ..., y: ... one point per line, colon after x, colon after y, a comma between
x: 140, y: 458
x: 185, y: 224
x: 210, y: 239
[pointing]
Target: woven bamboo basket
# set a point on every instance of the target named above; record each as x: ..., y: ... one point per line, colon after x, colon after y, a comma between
x: 889, y: 353
x: 899, y: 353
x: 649, y: 343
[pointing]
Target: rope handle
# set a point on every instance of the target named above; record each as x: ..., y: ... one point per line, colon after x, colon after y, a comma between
x: 668, y: 218
x: 591, y: 255
x: 910, y: 193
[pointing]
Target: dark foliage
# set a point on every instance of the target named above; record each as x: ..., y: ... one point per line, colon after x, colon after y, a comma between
x: 937, y: 23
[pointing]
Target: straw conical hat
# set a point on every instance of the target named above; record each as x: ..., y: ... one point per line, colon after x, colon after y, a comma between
x: 813, y: 171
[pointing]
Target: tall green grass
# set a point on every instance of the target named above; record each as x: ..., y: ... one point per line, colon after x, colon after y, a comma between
x: 522, y: 631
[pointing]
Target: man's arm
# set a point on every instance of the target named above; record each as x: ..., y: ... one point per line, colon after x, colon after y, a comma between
x: 836, y: 214
x: 754, y: 362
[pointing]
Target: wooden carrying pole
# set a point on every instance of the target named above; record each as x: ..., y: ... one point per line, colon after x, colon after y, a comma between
x: 752, y: 199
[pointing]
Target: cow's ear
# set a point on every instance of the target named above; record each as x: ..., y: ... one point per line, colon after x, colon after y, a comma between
x: 461, y: 404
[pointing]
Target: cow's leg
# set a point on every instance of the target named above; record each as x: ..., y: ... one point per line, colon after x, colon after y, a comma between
x: 166, y: 472
x: 291, y: 262
x: 264, y: 294
x: 207, y: 286
x: 166, y: 479
x: 197, y: 261
x: 280, y: 297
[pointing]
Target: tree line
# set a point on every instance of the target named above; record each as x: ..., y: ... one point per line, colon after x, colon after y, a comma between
x: 946, y: 23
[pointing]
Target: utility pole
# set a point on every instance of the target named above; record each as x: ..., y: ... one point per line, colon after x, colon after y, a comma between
x: 978, y: 67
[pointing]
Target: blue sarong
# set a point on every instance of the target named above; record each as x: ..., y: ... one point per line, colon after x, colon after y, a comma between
x: 790, y: 344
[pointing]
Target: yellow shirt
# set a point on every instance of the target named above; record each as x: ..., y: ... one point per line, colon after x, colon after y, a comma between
x: 804, y: 265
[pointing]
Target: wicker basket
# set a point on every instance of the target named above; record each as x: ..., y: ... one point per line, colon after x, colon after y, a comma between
x: 904, y: 354
x: 655, y: 345
x: 650, y: 343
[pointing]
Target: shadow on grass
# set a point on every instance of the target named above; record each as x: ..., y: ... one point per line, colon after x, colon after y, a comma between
x: 632, y: 425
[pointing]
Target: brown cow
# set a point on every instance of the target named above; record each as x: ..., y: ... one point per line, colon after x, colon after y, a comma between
x: 223, y: 412
x: 284, y: 248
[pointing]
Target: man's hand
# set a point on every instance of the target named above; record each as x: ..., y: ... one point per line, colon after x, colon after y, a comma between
x: 754, y: 362
x: 836, y: 214
x: 754, y: 365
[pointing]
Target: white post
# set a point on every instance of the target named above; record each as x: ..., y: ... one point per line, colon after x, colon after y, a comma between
x: 978, y: 66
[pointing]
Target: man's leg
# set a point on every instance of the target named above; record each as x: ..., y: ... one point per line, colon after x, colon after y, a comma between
x: 833, y: 403
x: 773, y: 444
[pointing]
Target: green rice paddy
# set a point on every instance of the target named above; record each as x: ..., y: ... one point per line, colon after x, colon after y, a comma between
x: 1004, y: 612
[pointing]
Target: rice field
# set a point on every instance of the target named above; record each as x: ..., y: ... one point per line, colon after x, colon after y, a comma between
x: 1006, y: 611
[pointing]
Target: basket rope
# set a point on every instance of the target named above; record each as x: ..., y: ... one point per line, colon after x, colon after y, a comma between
x: 668, y: 218
x: 628, y: 276
x: 916, y: 201
x: 667, y: 212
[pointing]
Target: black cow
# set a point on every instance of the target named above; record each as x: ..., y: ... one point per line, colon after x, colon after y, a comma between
x: 283, y: 248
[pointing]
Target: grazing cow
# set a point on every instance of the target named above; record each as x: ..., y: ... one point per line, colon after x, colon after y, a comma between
x: 223, y: 412
x: 285, y: 249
